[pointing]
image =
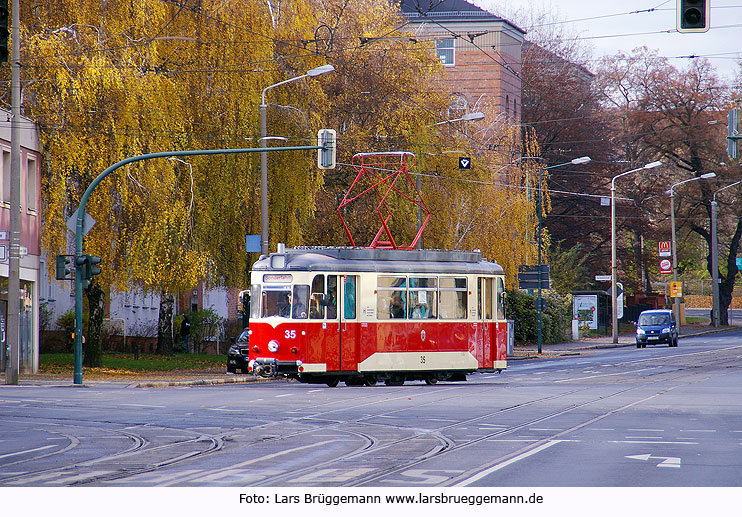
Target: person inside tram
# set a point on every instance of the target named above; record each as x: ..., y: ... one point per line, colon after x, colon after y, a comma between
x: 284, y: 305
x: 332, y: 302
x: 300, y: 310
x: 396, y: 306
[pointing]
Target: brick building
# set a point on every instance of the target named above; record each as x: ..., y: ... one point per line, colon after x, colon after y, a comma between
x: 481, y: 52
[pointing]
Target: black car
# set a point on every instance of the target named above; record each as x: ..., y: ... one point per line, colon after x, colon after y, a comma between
x: 239, y: 351
x: 656, y: 326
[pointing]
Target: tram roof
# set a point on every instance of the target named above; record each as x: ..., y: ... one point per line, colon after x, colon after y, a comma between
x: 348, y: 259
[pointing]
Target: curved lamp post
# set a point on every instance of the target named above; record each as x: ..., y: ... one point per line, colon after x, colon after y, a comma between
x: 314, y: 72
x: 467, y: 117
x: 614, y: 308
x: 715, y: 257
x: 576, y: 161
x: 676, y: 302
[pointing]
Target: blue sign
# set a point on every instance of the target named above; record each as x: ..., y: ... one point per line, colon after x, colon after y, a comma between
x: 739, y: 262
x: 252, y: 243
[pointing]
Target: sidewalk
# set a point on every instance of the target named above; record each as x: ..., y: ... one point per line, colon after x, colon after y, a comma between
x: 530, y: 351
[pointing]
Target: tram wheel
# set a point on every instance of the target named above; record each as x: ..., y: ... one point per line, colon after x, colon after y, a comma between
x: 394, y: 381
x: 431, y: 380
x: 370, y: 381
x: 333, y: 382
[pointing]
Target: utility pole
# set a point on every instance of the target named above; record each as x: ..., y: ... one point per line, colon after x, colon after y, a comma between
x: 14, y: 269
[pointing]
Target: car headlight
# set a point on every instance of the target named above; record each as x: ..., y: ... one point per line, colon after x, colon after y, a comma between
x: 234, y: 349
x: 640, y: 332
x: 666, y: 330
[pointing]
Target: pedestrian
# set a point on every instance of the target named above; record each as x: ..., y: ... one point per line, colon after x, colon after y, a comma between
x: 185, y: 331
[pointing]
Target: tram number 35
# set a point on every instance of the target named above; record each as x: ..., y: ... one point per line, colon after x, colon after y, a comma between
x: 422, y: 359
x: 290, y: 334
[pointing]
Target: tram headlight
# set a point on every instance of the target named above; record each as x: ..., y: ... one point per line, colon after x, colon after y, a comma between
x: 273, y: 346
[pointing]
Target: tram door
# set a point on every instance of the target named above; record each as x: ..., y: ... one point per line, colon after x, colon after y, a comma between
x: 349, y: 328
x: 486, y: 335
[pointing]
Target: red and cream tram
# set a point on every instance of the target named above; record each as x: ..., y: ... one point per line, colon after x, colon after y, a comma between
x: 363, y: 315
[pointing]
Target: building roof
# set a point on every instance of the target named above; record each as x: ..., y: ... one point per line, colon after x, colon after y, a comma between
x: 448, y: 11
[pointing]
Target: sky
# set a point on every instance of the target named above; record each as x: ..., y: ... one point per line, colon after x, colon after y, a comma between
x: 610, y: 27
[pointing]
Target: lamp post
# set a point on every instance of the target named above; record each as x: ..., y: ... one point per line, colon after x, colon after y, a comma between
x: 715, y: 258
x: 676, y: 302
x: 467, y: 117
x: 314, y: 72
x: 614, y: 308
x: 576, y: 161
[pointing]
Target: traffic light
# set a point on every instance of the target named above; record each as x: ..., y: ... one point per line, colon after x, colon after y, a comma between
x: 87, y: 263
x: 733, y: 132
x: 327, y: 138
x: 63, y: 272
x: 693, y: 15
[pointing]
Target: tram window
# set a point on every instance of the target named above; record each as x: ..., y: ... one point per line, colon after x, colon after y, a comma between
x: 332, y: 297
x: 484, y: 298
x: 422, y: 297
x: 391, y: 297
x: 276, y: 302
x: 452, y: 300
x: 349, y: 303
x: 300, y: 302
x: 254, y: 301
x: 316, y: 308
x: 500, y: 299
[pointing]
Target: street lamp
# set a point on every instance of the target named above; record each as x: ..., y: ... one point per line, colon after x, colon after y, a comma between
x: 314, y: 72
x: 715, y: 258
x: 467, y: 117
x: 576, y: 161
x: 676, y: 302
x: 614, y: 308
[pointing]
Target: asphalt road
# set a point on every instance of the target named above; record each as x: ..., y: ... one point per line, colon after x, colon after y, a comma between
x: 608, y: 418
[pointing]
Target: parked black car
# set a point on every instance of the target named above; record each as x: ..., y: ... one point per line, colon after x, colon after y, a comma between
x: 238, y: 354
x: 656, y: 326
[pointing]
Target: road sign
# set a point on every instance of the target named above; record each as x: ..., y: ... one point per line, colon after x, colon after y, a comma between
x: 464, y: 163
x: 528, y: 276
x: 665, y: 266
x: 619, y: 300
x: 676, y: 289
x: 738, y: 261
x: 87, y: 223
x: 603, y: 278
x: 252, y: 243
x: 665, y: 248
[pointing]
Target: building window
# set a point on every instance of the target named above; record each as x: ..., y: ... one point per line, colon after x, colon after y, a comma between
x: 445, y: 50
x: 6, y: 177
x: 31, y: 184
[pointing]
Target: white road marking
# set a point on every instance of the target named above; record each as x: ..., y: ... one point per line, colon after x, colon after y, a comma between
x: 698, y: 430
x: 332, y: 475
x: 284, y: 395
x: 670, y: 462
x: 507, y: 463
x: 655, y: 442
x: 143, y: 405
x: 571, y: 379
x: 26, y: 451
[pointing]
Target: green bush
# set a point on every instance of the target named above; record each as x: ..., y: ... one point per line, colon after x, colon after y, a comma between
x: 556, y: 319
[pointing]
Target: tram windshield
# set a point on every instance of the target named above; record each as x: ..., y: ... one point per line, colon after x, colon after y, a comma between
x: 285, y: 302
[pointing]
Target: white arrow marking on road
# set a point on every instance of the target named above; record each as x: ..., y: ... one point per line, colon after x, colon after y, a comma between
x: 668, y: 461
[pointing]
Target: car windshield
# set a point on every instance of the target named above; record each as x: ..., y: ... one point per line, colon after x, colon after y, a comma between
x: 244, y: 337
x: 654, y: 319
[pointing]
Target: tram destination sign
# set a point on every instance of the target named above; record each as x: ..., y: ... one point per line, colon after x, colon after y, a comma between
x: 528, y: 276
